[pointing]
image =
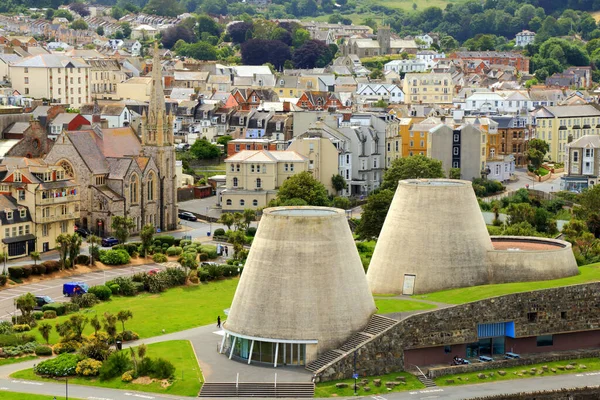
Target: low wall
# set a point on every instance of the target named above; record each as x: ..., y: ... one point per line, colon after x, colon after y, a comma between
x: 528, y: 359
x: 584, y: 393
x: 540, y: 178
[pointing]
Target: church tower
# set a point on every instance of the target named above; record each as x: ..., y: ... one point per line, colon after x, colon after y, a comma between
x: 384, y: 38
x: 157, y: 143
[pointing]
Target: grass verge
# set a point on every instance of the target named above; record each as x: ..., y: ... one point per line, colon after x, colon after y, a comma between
x: 588, y: 273
x: 521, y: 372
x: 328, y: 389
x: 26, y: 396
x: 187, y: 381
x: 174, y: 310
x: 7, y: 361
x: 387, y: 306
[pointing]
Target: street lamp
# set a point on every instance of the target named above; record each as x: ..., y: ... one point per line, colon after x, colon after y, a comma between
x: 209, y: 221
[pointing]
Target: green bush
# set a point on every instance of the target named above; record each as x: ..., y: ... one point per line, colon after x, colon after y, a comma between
x: 127, y: 336
x: 163, y: 369
x: 116, y: 364
x: 165, y: 239
x: 114, y: 288
x: 3, y: 279
x: 69, y: 346
x: 82, y: 259
x: 251, y: 231
x: 185, y: 242
x: 125, y: 284
x: 97, y: 349
x: 19, y: 350
x: 203, y: 275
x: 115, y: 257
x: 15, y: 272
x: 27, y: 271
x: 219, y: 232
x: 157, y: 283
x: 88, y: 367
x: 139, y: 287
x: 58, y: 308
x: 6, y: 328
x: 102, y: 292
x: 9, y: 340
x: 211, y: 251
x: 174, y: 251
x: 203, y: 257
x: 86, y: 300
x: 38, y: 315
x: 215, y: 271
x: 49, y: 314
x: 63, y: 365
x: 175, y: 276
x: 43, y: 350
x: 51, y: 266
x: 38, y: 269
x: 21, y: 328
x: 72, y: 307
x: 159, y: 258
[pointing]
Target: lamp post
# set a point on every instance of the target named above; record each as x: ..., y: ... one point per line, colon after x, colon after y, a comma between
x: 209, y: 221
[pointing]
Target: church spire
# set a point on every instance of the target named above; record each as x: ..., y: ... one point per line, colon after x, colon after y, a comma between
x: 156, y: 129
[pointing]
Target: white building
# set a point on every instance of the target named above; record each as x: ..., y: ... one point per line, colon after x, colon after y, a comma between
x: 143, y: 32
x: 501, y: 168
x: 404, y: 66
x: 426, y: 39
x: 524, y: 38
x: 499, y: 102
x: 374, y: 91
x: 430, y: 57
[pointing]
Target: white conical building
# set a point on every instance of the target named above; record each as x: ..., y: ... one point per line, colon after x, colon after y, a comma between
x: 303, y: 290
x: 434, y: 238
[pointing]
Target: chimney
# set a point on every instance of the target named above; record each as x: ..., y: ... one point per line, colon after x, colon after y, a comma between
x: 286, y: 106
x: 346, y: 116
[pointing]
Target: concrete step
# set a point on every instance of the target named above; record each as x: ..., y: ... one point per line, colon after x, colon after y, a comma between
x: 355, y: 341
x: 426, y: 381
x: 269, y: 389
x: 324, y: 359
x: 378, y: 324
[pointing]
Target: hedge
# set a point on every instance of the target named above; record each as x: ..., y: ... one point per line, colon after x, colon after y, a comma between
x: 102, y: 292
x: 51, y: 266
x: 49, y: 314
x: 174, y: 251
x: 3, y: 280
x: 114, y: 257
x: 82, y: 259
x: 165, y: 239
x: 159, y: 258
x: 58, y: 308
x: 43, y: 351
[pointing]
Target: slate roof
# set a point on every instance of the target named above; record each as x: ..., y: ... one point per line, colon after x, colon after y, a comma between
x: 50, y: 61
x: 117, y: 167
x: 17, y: 128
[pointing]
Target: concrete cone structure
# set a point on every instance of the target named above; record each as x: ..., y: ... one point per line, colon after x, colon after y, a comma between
x: 303, y: 290
x: 434, y: 238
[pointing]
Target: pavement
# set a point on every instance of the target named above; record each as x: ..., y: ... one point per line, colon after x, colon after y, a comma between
x: 551, y: 185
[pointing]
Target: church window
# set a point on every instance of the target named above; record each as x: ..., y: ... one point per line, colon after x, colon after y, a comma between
x: 67, y: 167
x: 151, y: 186
x: 133, y: 189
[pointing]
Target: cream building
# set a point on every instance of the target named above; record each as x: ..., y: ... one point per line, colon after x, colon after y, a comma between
x: 560, y: 125
x: 47, y: 205
x: 323, y: 158
x: 431, y: 88
x: 54, y: 77
x: 253, y: 177
x: 105, y: 75
x: 137, y: 88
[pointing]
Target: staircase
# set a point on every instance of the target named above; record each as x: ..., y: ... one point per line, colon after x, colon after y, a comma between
x: 426, y: 381
x: 377, y: 325
x: 268, y: 389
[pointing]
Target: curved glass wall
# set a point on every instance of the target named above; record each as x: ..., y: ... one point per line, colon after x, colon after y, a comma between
x: 255, y: 350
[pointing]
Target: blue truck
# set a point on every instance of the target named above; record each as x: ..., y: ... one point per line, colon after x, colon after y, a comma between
x: 75, y: 288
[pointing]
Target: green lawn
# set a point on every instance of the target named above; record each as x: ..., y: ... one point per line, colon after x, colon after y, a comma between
x: 6, y: 361
x: 591, y: 364
x: 588, y: 273
x: 26, y: 396
x: 387, y: 306
x: 175, y: 310
x: 328, y: 389
x: 210, y: 170
x: 187, y: 381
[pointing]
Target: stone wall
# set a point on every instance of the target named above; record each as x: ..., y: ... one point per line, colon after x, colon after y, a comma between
x: 585, y: 393
x: 558, y: 310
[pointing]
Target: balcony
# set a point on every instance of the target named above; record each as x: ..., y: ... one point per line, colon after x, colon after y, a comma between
x: 59, y: 217
x: 58, y: 200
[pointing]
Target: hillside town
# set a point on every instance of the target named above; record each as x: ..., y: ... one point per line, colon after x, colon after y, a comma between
x: 391, y: 206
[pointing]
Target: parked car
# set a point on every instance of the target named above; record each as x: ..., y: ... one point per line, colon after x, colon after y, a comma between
x: 182, y: 147
x: 187, y: 216
x: 154, y: 271
x: 109, y: 242
x: 82, y: 232
x: 41, y: 301
x: 75, y: 288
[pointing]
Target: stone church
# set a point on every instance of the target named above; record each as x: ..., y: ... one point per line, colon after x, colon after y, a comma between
x: 120, y: 173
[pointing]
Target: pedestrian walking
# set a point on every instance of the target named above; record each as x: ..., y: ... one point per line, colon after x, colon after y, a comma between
x: 219, y: 321
x: 226, y: 251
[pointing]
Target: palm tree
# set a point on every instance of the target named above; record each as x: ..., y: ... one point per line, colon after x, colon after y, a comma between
x: 123, y: 316
x: 74, y: 248
x: 93, y: 240
x: 238, y: 220
x: 249, y: 216
x: 63, y: 241
x: 45, y: 330
x: 35, y: 256
x: 227, y: 220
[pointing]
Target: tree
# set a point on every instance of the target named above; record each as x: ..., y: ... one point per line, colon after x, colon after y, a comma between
x: 338, y: 182
x: 126, y: 29
x: 237, y: 239
x: 454, y: 173
x: 110, y: 325
x: 63, y: 241
x: 164, y: 8
x: 49, y: 14
x: 146, y: 235
x: 35, y: 256
x: 239, y: 31
x: 413, y: 167
x: 63, y: 14
x: 94, y: 242
x: 536, y: 152
x: 45, y: 329
x: 80, y: 9
x: 227, y: 220
x: 342, y: 202
x: 299, y: 37
x: 374, y: 213
x: 25, y: 303
x: 238, y: 221
x: 121, y: 227
x: 206, y: 24
x: 202, y: 149
x: 95, y: 323
x: 313, y: 53
x: 248, y: 216
x: 124, y: 315
x: 74, y: 247
x: 224, y: 140
x: 216, y: 7
x: 199, y: 51
x: 303, y: 186
x: 259, y: 52
x: 117, y: 13
x: 175, y: 33
x: 100, y: 31
x: 76, y: 324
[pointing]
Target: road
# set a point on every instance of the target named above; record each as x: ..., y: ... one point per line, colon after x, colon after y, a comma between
x: 551, y: 185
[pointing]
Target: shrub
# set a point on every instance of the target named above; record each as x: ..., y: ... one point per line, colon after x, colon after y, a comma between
x: 125, y: 285
x: 22, y: 328
x: 27, y: 271
x: 157, y: 283
x: 116, y: 364
x: 63, y: 365
x: 159, y: 258
x: 58, y: 308
x: 174, y: 251
x: 72, y: 307
x: 194, y: 279
x: 139, y: 287
x: 176, y: 276
x: 86, y: 300
x: 251, y: 231
x: 69, y: 346
x: 88, y: 367
x: 3, y: 280
x: 43, y: 351
x: 215, y: 271
x: 127, y: 336
x: 19, y: 350
x: 203, y: 257
x: 203, y: 275
x: 6, y: 328
x: 115, y: 257
x: 114, y: 288
x: 82, y: 259
x: 146, y: 367
x: 49, y: 314
x: 219, y: 232
x: 211, y: 251
x: 102, y: 292
x: 38, y: 315
x: 97, y: 348
x: 15, y: 272
x: 126, y: 377
x: 164, y: 239
x: 163, y: 369
x: 51, y: 266
x: 38, y: 269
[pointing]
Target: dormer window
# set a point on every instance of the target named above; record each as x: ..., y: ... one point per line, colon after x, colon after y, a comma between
x: 9, y: 214
x: 282, y: 82
x: 241, y: 120
x: 278, y: 126
x: 223, y: 118
x: 17, y: 176
x: 23, y: 213
x: 259, y: 123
